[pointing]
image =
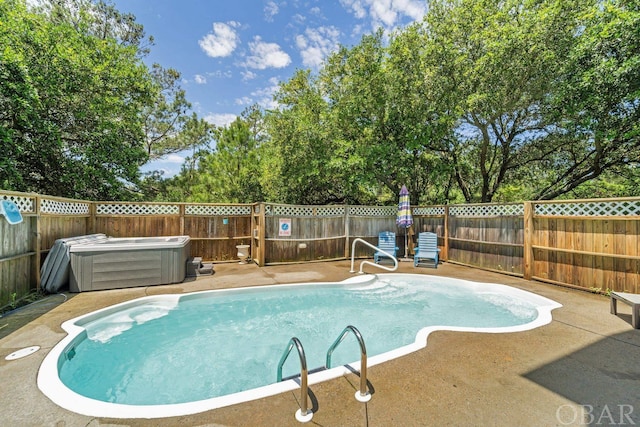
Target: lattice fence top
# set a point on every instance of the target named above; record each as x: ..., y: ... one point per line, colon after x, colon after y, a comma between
x: 25, y: 204
x: 64, y: 208
x: 373, y: 210
x: 288, y: 210
x: 432, y: 210
x: 487, y: 210
x: 136, y: 209
x: 331, y: 210
x: 217, y: 210
x: 613, y: 208
x: 305, y: 211
x: 328, y: 211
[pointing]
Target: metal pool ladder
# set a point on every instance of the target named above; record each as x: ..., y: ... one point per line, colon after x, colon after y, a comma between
x: 304, y: 414
x: 362, y: 395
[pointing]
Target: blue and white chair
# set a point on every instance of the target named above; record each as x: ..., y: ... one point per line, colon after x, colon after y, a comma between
x: 427, y: 251
x: 387, y: 243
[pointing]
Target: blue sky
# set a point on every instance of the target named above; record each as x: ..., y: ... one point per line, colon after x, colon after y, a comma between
x: 233, y: 53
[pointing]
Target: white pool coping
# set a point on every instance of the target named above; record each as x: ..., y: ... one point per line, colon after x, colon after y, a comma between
x: 50, y: 384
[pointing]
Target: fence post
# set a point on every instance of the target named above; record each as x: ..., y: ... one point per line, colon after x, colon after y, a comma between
x: 258, y: 233
x: 37, y: 241
x: 181, y: 209
x: 445, y: 237
x: 347, y: 255
x: 527, y: 256
x: 91, y: 226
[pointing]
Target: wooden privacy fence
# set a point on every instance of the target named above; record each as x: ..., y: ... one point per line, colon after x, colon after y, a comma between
x: 587, y: 244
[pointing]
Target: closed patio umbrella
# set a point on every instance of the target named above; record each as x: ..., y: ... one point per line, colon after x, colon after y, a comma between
x: 404, y: 218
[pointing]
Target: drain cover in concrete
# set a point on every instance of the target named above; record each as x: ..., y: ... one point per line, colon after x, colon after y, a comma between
x: 22, y: 353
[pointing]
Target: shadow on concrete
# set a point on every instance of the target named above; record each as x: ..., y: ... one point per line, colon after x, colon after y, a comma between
x: 13, y: 320
x: 602, y: 378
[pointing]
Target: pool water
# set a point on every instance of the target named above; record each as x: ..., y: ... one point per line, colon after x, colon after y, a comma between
x: 212, y: 344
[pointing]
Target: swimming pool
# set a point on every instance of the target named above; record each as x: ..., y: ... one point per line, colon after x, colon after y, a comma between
x: 193, y: 350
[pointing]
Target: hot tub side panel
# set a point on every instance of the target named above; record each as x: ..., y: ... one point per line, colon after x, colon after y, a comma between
x: 100, y: 270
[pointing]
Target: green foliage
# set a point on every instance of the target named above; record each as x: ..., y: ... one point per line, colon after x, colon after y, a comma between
x: 305, y: 162
x: 228, y: 174
x: 597, y: 101
x: 168, y: 128
x: 79, y: 110
x: 495, y: 62
x: 482, y: 101
x: 70, y: 107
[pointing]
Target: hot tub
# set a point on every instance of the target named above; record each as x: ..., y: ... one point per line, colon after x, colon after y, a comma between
x: 128, y: 262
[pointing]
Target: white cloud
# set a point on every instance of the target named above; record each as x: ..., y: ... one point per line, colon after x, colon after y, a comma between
x: 386, y: 13
x: 245, y: 100
x: 248, y: 75
x: 220, y: 119
x: 298, y: 19
x: 222, y: 41
x: 357, y: 31
x: 317, y: 12
x: 316, y: 44
x: 219, y: 74
x: 356, y: 6
x: 265, y: 95
x: 271, y: 9
x: 171, y: 158
x: 199, y: 79
x: 266, y: 55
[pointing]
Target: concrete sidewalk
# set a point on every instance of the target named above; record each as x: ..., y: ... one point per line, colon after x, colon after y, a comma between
x: 581, y: 369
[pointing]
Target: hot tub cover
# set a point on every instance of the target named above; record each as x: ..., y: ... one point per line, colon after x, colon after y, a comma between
x: 54, y: 273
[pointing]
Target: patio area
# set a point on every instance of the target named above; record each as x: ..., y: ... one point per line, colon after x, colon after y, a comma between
x: 581, y: 369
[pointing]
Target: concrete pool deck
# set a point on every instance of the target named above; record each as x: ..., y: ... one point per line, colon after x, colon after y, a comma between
x: 581, y: 369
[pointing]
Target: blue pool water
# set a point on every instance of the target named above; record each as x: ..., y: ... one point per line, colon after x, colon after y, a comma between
x: 214, y: 344
x: 173, y: 355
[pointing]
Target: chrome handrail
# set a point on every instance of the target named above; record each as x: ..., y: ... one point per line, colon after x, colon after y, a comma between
x: 353, y: 254
x: 305, y: 413
x: 364, y: 395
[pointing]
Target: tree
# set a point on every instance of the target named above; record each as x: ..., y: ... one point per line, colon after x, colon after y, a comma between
x: 302, y: 162
x: 231, y: 172
x: 596, y: 102
x: 72, y: 107
x: 168, y: 129
x: 97, y: 19
x: 81, y: 112
x: 167, y: 125
x: 497, y: 61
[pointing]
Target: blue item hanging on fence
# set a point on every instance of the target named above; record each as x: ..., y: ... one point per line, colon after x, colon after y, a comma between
x: 10, y: 211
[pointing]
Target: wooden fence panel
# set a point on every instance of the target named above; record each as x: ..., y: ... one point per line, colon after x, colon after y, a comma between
x: 138, y: 226
x: 16, y: 259
x: 214, y: 238
x: 592, y: 244
x: 312, y: 233
x: 493, y: 241
x: 588, y: 244
x: 368, y: 228
x: 55, y: 227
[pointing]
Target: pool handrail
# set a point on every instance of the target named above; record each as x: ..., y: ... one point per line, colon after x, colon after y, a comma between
x: 362, y: 395
x: 353, y: 254
x: 303, y: 414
